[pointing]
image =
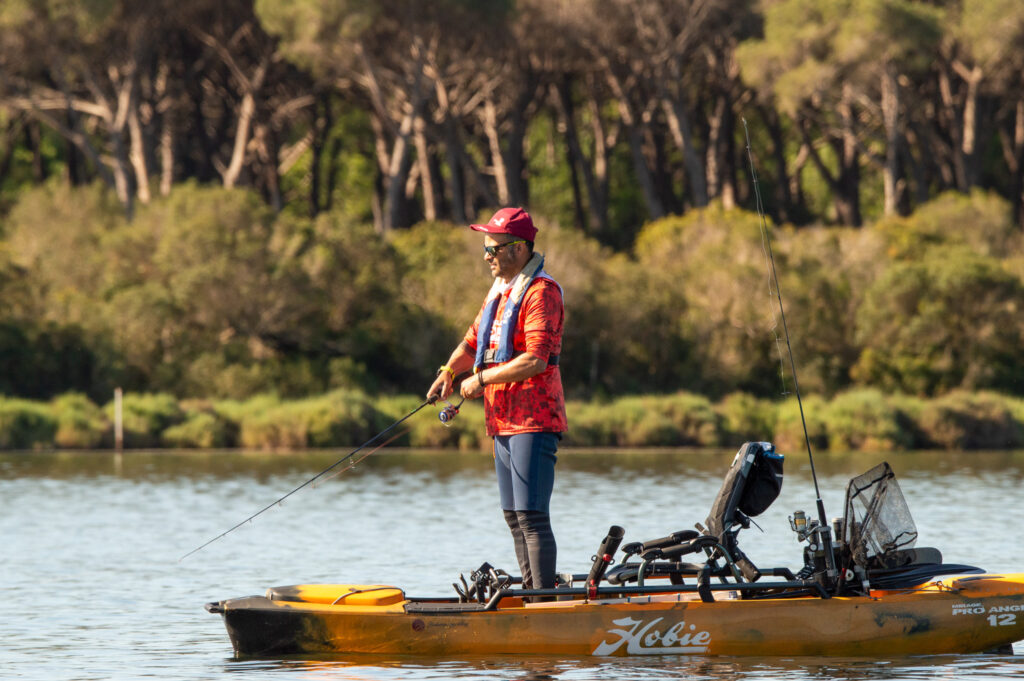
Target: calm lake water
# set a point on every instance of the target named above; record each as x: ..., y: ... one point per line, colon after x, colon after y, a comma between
x: 93, y: 587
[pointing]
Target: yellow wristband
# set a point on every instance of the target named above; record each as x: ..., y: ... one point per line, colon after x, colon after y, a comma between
x: 445, y: 367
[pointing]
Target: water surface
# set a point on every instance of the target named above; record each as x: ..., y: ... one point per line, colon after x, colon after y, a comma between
x: 93, y: 588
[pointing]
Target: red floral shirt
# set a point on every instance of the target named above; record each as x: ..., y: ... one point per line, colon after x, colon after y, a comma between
x: 537, y: 404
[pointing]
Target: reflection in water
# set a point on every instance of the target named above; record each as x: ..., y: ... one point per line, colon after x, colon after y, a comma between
x: 93, y: 588
x: 528, y: 668
x: 628, y: 465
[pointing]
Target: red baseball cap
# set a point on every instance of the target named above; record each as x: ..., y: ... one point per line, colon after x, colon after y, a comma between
x: 514, y: 221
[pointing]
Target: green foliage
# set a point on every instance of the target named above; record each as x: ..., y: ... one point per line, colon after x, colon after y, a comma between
x: 445, y: 275
x: 208, y: 293
x: 857, y: 420
x: 25, y: 424
x: 950, y: 320
x: 80, y: 423
x: 202, y: 428
x: 864, y: 420
x: 236, y: 411
x: 145, y: 417
x: 981, y: 221
x: 991, y: 31
x: 705, y: 275
x: 336, y: 419
x: 823, y: 275
x: 962, y: 420
x: 678, y: 420
x: 789, y: 431
x: 745, y: 418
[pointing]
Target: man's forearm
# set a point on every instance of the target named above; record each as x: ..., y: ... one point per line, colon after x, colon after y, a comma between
x: 462, y: 358
x: 522, y: 367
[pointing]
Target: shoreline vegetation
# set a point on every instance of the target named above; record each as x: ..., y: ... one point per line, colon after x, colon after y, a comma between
x: 864, y: 419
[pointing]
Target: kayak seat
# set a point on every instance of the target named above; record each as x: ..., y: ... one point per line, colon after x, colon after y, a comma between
x: 751, y: 484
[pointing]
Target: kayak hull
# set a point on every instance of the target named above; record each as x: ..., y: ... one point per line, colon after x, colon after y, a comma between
x: 966, y: 614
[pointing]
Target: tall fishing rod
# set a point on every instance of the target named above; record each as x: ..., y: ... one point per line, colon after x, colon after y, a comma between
x: 823, y: 523
x: 430, y: 400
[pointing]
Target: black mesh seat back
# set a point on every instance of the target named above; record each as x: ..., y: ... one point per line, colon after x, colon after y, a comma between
x: 752, y: 483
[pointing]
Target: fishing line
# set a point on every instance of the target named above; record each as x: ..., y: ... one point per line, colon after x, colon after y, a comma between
x: 429, y: 400
x: 355, y: 462
x: 766, y: 241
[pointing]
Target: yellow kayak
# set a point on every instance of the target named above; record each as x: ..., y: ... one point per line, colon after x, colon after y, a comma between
x: 864, y: 590
x: 967, y: 614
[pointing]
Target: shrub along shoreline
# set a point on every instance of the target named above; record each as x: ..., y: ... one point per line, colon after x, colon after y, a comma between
x: 855, y: 420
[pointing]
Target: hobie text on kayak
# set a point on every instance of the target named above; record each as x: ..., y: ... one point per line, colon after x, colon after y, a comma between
x: 647, y: 638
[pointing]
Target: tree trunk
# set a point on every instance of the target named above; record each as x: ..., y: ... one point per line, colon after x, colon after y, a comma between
x: 377, y: 201
x: 1017, y: 178
x: 783, y: 186
x: 956, y: 123
x: 635, y: 139
x: 430, y: 203
x: 682, y: 133
x: 634, y: 135
x: 323, y: 120
x: 397, y: 173
x: 76, y: 169
x: 712, y: 176
x: 579, y: 213
x: 333, y: 151
x: 490, y: 124
x: 727, y: 162
x: 455, y: 171
x: 658, y: 147
x: 34, y: 137
x: 597, y: 220
x: 243, y: 125
x: 601, y: 169
x: 515, y: 161
x: 890, y: 120
x: 167, y: 153
x: 721, y: 167
x: 844, y: 185
x: 970, y: 127
x: 137, y: 155
x: 848, y: 197
x: 927, y: 167
x: 11, y: 134
x: 119, y: 167
x: 266, y: 145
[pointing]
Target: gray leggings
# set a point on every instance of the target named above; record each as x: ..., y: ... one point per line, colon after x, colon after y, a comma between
x: 535, y: 547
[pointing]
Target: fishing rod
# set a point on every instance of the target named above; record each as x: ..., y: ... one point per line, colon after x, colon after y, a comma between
x: 430, y: 400
x: 823, y: 523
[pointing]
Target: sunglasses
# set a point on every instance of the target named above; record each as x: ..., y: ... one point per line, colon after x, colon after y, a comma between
x: 493, y: 250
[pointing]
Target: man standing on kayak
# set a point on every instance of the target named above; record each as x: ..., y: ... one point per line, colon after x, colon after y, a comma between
x: 513, y: 349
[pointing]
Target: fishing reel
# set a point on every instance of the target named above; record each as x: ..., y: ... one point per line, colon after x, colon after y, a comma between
x: 819, y: 540
x: 448, y: 414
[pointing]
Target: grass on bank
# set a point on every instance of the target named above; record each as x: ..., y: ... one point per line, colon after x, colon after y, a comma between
x: 855, y: 420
